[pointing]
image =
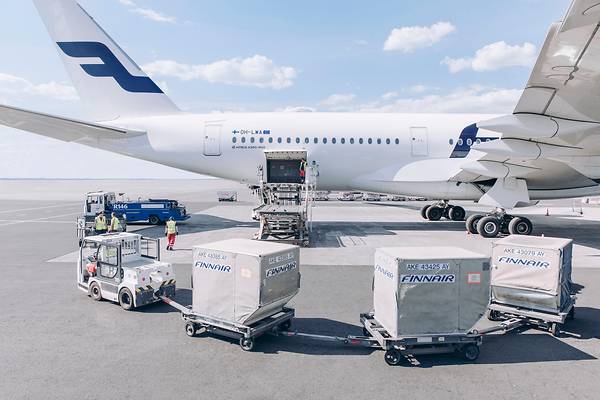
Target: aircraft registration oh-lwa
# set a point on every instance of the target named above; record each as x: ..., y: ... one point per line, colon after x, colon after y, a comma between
x: 548, y: 148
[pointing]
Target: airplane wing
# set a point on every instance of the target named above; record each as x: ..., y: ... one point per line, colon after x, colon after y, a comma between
x: 65, y: 129
x: 552, y: 139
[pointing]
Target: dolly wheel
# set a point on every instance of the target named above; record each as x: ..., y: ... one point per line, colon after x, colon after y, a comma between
x: 392, y: 357
x: 190, y: 329
x: 493, y: 315
x: 247, y: 344
x: 126, y: 299
x: 285, y: 326
x: 555, y: 329
x: 471, y: 352
x: 95, y: 292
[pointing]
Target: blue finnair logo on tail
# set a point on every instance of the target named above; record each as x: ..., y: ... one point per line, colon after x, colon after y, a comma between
x: 110, y: 67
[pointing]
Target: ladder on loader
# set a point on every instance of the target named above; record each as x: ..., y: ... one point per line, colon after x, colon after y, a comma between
x: 286, y: 201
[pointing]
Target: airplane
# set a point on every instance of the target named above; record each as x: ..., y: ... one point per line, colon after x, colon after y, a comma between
x: 549, y: 148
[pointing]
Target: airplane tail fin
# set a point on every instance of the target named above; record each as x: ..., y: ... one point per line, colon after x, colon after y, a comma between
x: 108, y: 81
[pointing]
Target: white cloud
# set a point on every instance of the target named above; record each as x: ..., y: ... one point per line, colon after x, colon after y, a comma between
x: 473, y: 99
x: 147, y: 13
x: 495, y: 56
x: 296, y: 109
x: 258, y: 71
x: 15, y: 86
x: 389, y: 95
x: 409, y: 38
x: 336, y: 100
x: 153, y: 15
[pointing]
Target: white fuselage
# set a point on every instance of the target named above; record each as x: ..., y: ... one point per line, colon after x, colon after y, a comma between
x: 409, y: 154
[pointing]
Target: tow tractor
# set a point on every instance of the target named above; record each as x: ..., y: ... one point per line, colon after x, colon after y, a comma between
x: 124, y: 268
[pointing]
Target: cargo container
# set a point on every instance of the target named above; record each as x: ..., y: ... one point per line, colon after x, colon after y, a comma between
x: 244, y: 281
x: 531, y: 276
x: 429, y: 290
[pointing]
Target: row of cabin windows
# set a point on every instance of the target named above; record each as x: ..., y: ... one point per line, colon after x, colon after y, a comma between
x: 342, y: 140
x: 315, y: 140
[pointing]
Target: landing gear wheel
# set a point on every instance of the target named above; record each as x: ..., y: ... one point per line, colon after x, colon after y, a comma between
x: 154, y: 220
x: 471, y: 352
x: 457, y: 213
x: 95, y: 292
x: 126, y: 299
x: 520, y: 226
x: 488, y: 227
x: 493, y: 315
x: 247, y: 344
x: 424, y: 211
x: 190, y: 329
x: 472, y: 222
x: 555, y: 329
x: 393, y: 357
x: 434, y: 213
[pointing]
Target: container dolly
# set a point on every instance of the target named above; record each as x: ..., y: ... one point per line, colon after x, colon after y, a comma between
x: 397, y: 348
x: 552, y: 322
x: 246, y: 334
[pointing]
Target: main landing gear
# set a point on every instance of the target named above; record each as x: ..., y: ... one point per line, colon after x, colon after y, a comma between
x: 435, y: 212
x: 497, y: 222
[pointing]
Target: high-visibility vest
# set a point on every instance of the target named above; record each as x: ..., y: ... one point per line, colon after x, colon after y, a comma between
x: 171, y: 227
x: 115, y: 225
x: 100, y: 223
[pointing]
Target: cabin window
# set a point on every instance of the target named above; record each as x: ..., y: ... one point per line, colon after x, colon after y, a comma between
x: 397, y: 141
x: 289, y: 140
x: 387, y: 141
x: 370, y: 141
x: 234, y: 139
x: 478, y: 141
x: 333, y: 141
x: 378, y: 141
x: 343, y: 141
x: 451, y: 141
x: 243, y: 140
x: 316, y: 140
x: 306, y: 140
x: 270, y: 140
x: 351, y: 140
x: 262, y: 140
x: 360, y: 141
x: 298, y: 140
x: 469, y: 142
x: 279, y: 140
x: 324, y: 140
x: 460, y: 142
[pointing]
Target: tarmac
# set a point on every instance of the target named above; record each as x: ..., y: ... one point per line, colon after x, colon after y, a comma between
x: 56, y: 343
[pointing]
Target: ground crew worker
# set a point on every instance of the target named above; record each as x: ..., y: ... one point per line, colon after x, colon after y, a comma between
x: 100, y: 223
x: 115, y: 225
x: 302, y: 170
x: 171, y: 231
x: 91, y: 267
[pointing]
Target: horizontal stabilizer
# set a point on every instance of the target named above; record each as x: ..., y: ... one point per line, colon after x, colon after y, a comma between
x: 65, y: 129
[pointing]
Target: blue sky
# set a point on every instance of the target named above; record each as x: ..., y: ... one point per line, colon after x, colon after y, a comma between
x: 349, y: 55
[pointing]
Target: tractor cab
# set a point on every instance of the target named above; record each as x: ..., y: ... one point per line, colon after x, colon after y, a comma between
x: 95, y: 202
x: 124, y: 268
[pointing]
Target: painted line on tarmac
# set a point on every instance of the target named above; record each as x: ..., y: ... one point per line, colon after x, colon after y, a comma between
x: 39, y: 208
x: 45, y: 219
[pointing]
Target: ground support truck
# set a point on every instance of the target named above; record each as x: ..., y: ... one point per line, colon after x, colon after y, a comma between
x: 124, y: 268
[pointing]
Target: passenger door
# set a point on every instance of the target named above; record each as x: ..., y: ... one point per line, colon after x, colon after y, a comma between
x: 212, y: 140
x: 419, y: 141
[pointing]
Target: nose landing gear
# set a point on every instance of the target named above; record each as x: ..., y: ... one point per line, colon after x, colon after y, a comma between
x: 497, y: 222
x: 435, y: 212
